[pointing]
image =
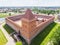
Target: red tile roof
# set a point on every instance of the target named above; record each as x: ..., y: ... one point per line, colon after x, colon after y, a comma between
x: 28, y: 15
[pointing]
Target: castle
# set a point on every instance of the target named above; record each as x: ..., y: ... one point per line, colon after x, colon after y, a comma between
x: 28, y: 25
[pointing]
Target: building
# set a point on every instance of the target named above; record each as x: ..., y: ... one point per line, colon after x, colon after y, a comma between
x: 29, y: 25
x: 58, y: 17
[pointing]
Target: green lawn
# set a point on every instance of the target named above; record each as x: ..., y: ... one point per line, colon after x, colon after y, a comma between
x: 3, y: 39
x: 53, y: 38
x: 8, y: 28
x: 19, y: 43
x: 3, y: 15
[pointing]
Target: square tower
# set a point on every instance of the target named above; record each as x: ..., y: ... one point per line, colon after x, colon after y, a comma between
x: 28, y: 25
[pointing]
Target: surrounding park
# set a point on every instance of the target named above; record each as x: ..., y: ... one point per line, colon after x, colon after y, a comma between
x: 29, y: 22
x: 49, y: 36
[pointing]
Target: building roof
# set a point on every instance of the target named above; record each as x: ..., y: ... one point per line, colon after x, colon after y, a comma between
x: 28, y: 15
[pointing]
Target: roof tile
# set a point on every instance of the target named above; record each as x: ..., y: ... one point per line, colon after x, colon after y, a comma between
x: 28, y: 15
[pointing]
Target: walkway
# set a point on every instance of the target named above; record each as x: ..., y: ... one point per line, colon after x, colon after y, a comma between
x: 57, y: 21
x: 9, y: 38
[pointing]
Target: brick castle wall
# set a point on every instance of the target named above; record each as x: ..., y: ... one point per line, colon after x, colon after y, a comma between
x: 28, y: 36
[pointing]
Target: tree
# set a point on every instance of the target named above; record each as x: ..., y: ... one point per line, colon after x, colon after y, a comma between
x: 9, y: 14
x: 57, y: 11
x: 35, y: 10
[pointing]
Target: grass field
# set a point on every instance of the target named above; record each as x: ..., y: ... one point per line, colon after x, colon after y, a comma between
x: 54, y: 35
x: 8, y: 29
x: 3, y: 15
x: 3, y: 39
x: 19, y: 43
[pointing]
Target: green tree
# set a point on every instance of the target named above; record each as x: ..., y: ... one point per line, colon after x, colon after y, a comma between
x: 9, y: 14
x: 57, y: 11
x: 36, y: 10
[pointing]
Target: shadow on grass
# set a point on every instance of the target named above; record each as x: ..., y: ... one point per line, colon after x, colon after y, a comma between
x: 40, y: 37
x: 23, y: 40
x: 8, y: 29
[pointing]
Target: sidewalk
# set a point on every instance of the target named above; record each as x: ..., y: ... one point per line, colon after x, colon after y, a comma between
x: 57, y: 21
x: 9, y: 38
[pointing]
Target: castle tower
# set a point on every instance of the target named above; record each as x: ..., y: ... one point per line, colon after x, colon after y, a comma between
x: 28, y: 25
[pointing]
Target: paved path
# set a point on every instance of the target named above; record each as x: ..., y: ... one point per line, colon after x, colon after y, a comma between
x: 9, y: 38
x: 57, y: 21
